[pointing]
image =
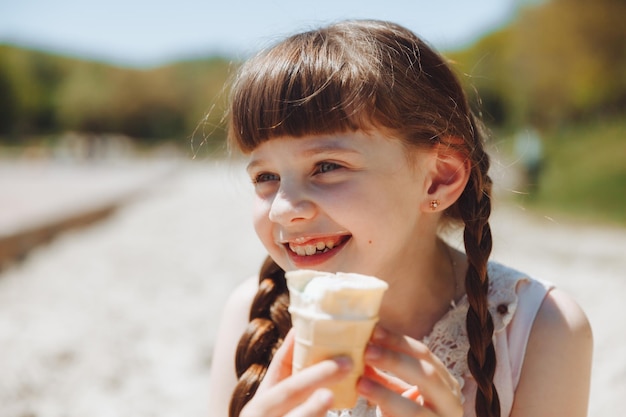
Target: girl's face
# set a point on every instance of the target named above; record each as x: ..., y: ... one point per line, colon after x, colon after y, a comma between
x: 345, y: 202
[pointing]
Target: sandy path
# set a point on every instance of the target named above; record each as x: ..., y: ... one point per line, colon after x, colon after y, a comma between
x: 119, y: 319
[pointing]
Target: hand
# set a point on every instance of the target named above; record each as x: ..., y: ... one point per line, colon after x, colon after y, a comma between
x: 303, y: 394
x: 413, y: 365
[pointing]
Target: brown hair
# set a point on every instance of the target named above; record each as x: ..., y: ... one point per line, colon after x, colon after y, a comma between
x: 359, y: 75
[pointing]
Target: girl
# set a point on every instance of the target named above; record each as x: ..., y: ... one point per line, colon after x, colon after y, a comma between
x: 362, y: 146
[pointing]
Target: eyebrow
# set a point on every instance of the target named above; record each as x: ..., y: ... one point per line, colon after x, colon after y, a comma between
x: 253, y: 164
x: 325, y: 149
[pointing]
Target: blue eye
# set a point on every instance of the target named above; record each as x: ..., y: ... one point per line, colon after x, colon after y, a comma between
x: 265, y: 177
x: 323, y: 167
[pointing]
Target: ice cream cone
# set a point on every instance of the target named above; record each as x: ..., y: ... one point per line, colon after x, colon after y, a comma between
x: 318, y: 339
x: 334, y: 319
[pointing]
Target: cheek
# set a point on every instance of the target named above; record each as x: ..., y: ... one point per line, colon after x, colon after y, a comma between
x: 260, y: 220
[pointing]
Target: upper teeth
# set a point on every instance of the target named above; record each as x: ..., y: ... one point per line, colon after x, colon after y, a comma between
x: 311, y: 249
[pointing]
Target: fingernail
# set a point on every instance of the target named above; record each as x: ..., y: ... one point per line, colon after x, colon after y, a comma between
x: 379, y: 333
x: 344, y: 362
x: 324, y: 396
x: 373, y: 352
x: 364, y: 386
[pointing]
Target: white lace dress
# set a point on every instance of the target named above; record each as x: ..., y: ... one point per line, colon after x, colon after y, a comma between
x: 510, y: 292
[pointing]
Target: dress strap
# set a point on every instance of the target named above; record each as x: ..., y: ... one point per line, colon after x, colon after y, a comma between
x: 531, y: 294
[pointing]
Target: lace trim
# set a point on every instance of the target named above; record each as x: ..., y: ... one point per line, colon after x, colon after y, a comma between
x: 448, y: 339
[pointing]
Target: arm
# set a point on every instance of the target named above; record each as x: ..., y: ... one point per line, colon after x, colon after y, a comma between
x: 233, y: 323
x: 557, y: 367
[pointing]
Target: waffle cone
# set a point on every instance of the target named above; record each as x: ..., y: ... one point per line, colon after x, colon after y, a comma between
x: 318, y: 339
x: 333, y: 315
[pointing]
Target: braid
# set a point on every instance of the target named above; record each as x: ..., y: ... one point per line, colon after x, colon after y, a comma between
x: 269, y: 323
x: 475, y: 208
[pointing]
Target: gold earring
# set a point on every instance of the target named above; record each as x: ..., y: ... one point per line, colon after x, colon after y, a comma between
x: 434, y: 204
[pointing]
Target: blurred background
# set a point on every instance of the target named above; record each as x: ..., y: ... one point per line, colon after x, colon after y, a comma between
x: 124, y: 223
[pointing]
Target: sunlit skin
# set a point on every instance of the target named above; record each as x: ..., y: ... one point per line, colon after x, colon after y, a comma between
x: 367, y: 195
x: 337, y: 194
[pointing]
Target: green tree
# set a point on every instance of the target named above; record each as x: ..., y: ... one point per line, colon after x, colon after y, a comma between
x: 558, y: 61
x: 83, y: 99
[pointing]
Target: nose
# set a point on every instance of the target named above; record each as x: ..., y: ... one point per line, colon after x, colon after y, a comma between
x: 290, y: 206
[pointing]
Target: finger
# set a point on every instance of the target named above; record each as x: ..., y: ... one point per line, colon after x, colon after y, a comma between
x: 409, y: 346
x: 412, y: 348
x: 438, y: 388
x: 414, y: 394
x: 317, y: 405
x: 293, y: 391
x: 411, y: 392
x: 391, y: 382
x: 389, y: 402
x: 394, y: 384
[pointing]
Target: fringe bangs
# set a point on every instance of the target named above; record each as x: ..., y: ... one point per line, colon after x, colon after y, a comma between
x: 306, y: 86
x: 347, y: 77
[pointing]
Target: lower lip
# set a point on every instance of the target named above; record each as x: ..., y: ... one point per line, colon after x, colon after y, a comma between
x: 310, y: 261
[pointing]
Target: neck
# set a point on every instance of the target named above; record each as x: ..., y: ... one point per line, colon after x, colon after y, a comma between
x: 422, y: 295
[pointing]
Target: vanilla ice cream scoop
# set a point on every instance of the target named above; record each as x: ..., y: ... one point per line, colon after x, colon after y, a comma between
x: 347, y: 296
x: 332, y: 315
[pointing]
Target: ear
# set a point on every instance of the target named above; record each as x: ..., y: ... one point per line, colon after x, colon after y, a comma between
x: 448, y: 176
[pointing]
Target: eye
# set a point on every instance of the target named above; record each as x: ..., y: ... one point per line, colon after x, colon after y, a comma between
x: 326, y: 166
x: 265, y: 177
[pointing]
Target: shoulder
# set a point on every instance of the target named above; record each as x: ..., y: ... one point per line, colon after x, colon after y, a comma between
x: 561, y: 310
x: 557, y: 366
x: 537, y: 310
x: 232, y: 325
x: 562, y: 321
x: 548, y: 308
x: 237, y: 308
x: 514, y: 300
x: 235, y: 315
x: 243, y: 293
x: 550, y: 344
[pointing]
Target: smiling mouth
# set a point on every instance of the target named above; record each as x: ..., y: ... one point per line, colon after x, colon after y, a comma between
x: 316, y: 246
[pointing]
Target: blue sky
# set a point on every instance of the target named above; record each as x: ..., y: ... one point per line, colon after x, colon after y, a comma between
x: 147, y: 33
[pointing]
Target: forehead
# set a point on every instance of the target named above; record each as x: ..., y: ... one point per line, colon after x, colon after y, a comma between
x: 362, y: 145
x: 308, y: 146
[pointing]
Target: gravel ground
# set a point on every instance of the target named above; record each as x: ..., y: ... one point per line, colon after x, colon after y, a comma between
x: 118, y: 319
